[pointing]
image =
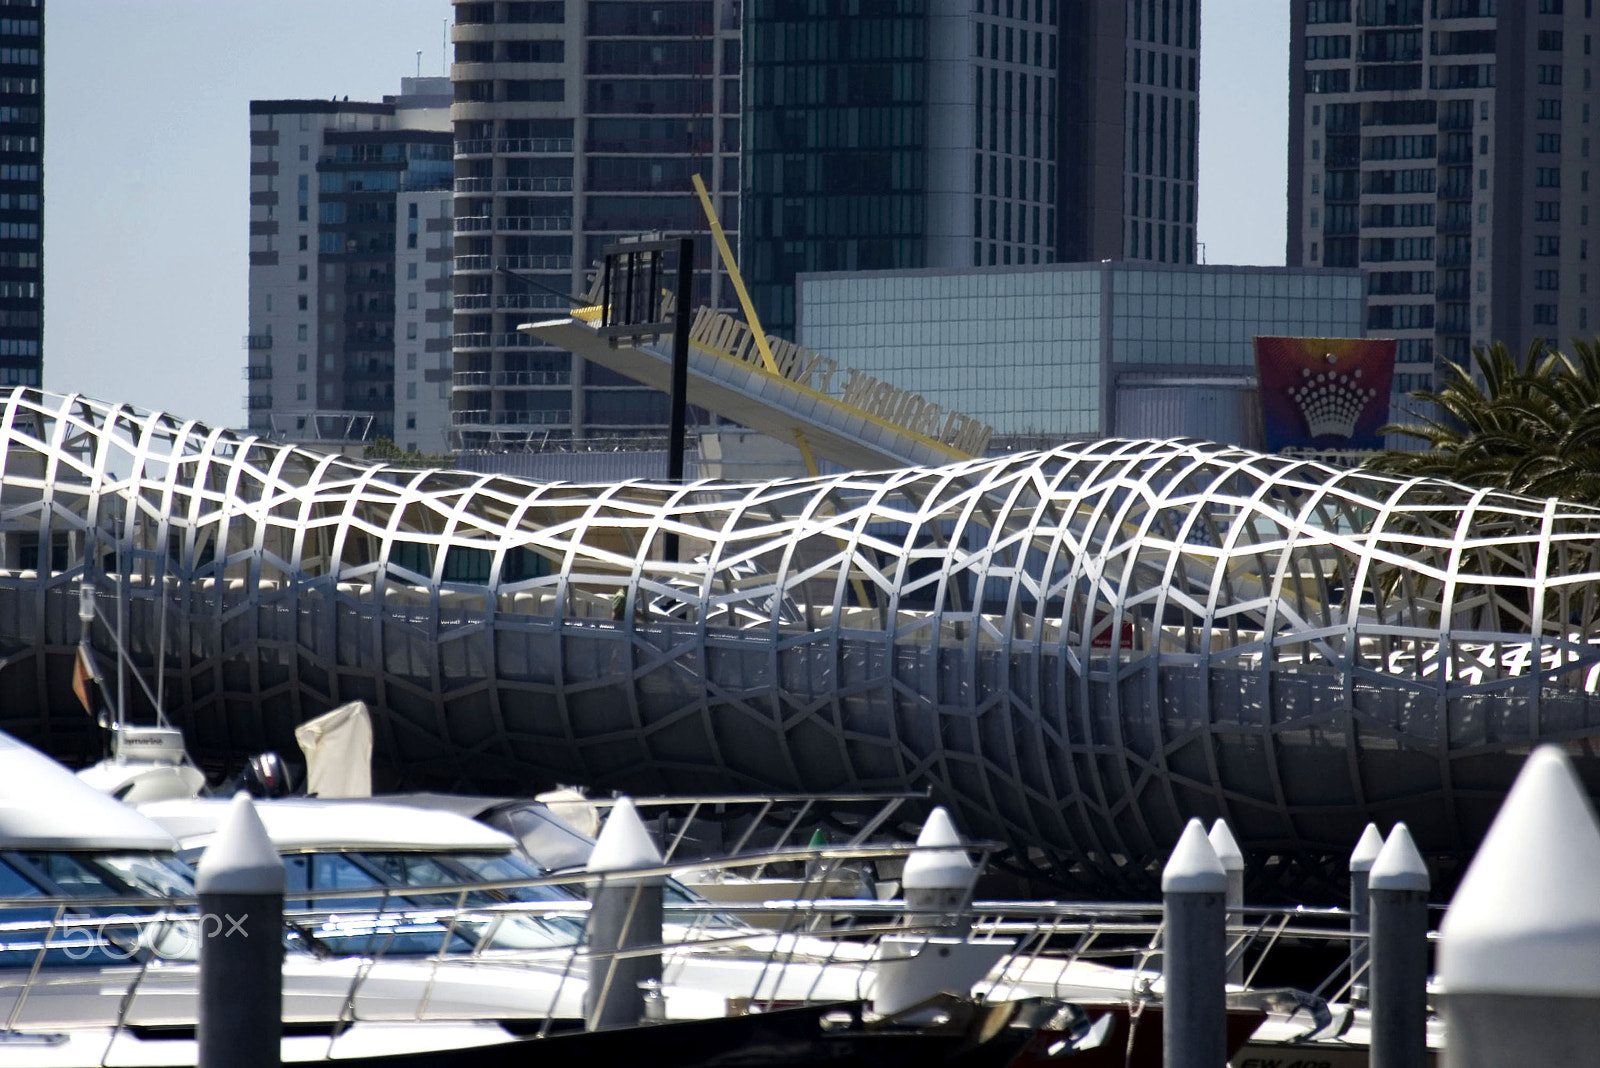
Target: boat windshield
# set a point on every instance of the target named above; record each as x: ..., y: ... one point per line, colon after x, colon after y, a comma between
x: 392, y: 874
x: 87, y: 934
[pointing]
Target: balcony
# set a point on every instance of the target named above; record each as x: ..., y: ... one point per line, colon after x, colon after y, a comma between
x: 472, y: 301
x: 535, y: 263
x: 470, y: 341
x: 470, y: 379
x: 533, y: 222
x: 533, y: 185
x: 480, y: 418
x: 474, y: 185
x: 483, y: 146
x: 257, y: 372
x: 472, y: 263
x: 525, y: 146
x: 532, y: 378
x: 528, y: 300
x: 257, y: 401
x: 467, y: 224
x: 258, y: 341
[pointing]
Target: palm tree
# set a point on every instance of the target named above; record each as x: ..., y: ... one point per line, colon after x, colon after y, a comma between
x: 1530, y: 425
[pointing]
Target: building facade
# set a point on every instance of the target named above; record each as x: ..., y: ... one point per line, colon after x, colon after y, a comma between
x: 577, y: 125
x: 350, y: 261
x: 1444, y: 147
x: 902, y: 134
x: 21, y: 192
x: 1071, y: 351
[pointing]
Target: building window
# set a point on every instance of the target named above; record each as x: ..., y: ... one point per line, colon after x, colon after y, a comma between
x: 411, y: 271
x: 411, y: 331
x: 1544, y: 315
x: 302, y: 272
x: 411, y: 391
x: 300, y: 362
x: 1543, y: 245
x: 411, y: 420
x: 1547, y: 211
x: 303, y: 301
x: 302, y: 242
x: 300, y: 391
x: 301, y: 333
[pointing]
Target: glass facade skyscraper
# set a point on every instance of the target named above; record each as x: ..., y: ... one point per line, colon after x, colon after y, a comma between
x: 836, y: 138
x: 895, y: 134
x: 21, y: 191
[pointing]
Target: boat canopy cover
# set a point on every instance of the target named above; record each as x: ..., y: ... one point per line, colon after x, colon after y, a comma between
x: 309, y: 824
x: 45, y: 806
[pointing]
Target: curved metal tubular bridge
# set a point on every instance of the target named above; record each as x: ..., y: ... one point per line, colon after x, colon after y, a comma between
x: 1077, y: 649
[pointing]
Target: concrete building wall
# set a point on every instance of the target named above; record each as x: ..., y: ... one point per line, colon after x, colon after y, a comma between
x: 1445, y: 148
x: 424, y: 244
x: 576, y: 125
x: 327, y: 307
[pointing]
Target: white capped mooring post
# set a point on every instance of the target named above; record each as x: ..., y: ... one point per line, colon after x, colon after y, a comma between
x: 240, y: 880
x: 1194, y: 890
x: 937, y: 880
x: 1398, y: 887
x: 624, y: 914
x: 1368, y: 846
x: 1519, y: 948
x: 1231, y: 857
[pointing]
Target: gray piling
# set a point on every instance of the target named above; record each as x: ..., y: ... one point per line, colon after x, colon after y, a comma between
x: 1367, y: 849
x: 624, y: 914
x: 1519, y: 948
x: 1194, y: 890
x: 240, y: 880
x: 936, y: 883
x: 1398, y: 886
x: 1231, y: 857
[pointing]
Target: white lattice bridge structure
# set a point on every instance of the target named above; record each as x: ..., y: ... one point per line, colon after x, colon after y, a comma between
x: 1077, y: 649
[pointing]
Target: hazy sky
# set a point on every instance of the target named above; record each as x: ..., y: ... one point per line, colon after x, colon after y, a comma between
x: 147, y: 154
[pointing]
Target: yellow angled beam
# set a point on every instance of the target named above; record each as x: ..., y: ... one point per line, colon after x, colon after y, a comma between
x: 737, y: 279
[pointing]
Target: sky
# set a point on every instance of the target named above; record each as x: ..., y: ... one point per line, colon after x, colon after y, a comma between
x: 147, y: 166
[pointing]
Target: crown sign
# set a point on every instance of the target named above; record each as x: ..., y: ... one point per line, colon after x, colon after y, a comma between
x: 1331, y: 402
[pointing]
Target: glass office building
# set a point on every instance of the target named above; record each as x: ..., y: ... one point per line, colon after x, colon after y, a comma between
x: 905, y: 134
x: 1077, y: 350
x: 21, y: 191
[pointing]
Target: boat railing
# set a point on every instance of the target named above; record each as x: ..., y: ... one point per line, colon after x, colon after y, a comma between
x: 786, y: 947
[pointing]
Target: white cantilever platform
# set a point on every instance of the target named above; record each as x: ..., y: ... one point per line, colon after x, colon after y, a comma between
x: 759, y: 399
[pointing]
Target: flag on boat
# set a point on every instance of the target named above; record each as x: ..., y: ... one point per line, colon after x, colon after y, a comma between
x: 83, y: 679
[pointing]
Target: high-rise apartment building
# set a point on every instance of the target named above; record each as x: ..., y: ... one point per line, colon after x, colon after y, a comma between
x: 1445, y: 147
x: 576, y: 124
x: 350, y: 262
x: 887, y: 134
x: 21, y: 191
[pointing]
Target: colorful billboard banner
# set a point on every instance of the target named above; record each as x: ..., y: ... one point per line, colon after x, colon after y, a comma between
x: 1324, y: 392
